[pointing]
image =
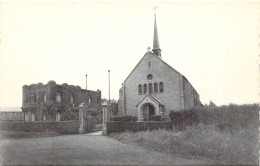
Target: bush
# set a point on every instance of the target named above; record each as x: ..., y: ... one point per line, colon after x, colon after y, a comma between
x: 123, y: 126
x: 68, y: 115
x: 155, y: 118
x: 125, y: 118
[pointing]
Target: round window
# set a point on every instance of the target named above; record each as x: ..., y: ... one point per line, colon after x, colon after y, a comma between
x: 150, y: 77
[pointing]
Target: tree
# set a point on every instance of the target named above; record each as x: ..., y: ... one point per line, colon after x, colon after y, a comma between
x: 211, y: 104
x: 113, y: 108
x: 51, y: 108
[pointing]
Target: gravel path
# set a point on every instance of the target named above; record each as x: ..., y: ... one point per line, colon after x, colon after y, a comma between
x: 83, y: 150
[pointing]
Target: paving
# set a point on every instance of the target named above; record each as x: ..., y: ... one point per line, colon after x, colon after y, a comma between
x: 85, y: 149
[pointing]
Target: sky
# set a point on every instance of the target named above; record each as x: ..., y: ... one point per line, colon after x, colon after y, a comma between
x: 215, y: 45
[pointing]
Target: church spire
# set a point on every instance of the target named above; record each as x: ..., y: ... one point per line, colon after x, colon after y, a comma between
x: 156, y: 46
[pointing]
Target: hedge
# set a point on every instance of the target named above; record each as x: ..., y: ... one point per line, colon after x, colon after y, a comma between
x: 155, y: 118
x: 224, y: 117
x: 125, y: 118
x: 122, y: 126
x: 62, y: 127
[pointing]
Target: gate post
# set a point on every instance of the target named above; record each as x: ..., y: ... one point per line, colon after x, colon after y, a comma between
x: 104, y: 127
x: 81, y: 119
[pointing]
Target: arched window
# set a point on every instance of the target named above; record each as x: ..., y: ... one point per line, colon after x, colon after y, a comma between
x: 58, y: 97
x: 44, y: 97
x: 150, y: 88
x: 161, y: 86
x: 140, y: 89
x: 32, y: 98
x: 72, y: 98
x: 155, y: 88
x: 145, y: 88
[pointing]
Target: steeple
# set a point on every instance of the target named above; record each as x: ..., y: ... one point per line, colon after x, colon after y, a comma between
x: 156, y: 47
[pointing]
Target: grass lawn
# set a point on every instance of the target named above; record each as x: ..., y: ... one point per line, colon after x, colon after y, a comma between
x: 223, y: 147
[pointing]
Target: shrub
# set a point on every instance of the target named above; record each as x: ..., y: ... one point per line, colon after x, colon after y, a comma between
x: 125, y: 118
x: 155, y: 118
x: 68, y: 115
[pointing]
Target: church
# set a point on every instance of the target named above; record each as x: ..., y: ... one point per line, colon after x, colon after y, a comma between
x: 154, y: 88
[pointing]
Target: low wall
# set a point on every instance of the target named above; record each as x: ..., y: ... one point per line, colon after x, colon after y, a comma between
x: 122, y: 126
x: 62, y: 127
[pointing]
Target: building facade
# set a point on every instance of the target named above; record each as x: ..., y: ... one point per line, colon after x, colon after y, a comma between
x: 155, y: 88
x: 35, y: 96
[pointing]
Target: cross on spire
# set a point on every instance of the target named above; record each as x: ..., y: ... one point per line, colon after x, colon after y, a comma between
x: 154, y: 9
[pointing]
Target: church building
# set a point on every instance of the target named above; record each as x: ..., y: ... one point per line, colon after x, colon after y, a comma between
x: 154, y: 88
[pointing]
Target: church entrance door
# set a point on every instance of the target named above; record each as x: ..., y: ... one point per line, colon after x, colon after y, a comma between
x: 148, y: 111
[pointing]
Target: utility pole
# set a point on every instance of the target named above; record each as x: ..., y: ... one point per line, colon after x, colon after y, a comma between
x: 86, y: 82
x: 108, y: 86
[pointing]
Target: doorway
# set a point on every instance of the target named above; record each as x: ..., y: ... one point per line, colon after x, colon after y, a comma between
x: 148, y: 111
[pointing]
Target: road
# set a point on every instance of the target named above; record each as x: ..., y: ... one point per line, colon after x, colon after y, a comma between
x: 84, y: 150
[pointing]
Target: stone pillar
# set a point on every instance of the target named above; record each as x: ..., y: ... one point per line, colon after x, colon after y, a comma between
x: 104, y: 127
x: 81, y: 119
x: 140, y: 114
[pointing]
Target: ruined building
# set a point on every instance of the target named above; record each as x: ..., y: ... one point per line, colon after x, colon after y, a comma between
x: 35, y: 96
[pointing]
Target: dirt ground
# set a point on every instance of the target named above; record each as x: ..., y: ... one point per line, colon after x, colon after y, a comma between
x: 86, y: 149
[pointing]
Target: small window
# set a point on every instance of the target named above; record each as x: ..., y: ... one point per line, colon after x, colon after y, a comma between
x: 155, y: 88
x: 150, y: 88
x: 145, y: 88
x: 98, y: 100
x: 89, y: 99
x: 140, y: 89
x: 161, y: 87
x: 34, y: 97
x: 149, y: 64
x: 28, y: 98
